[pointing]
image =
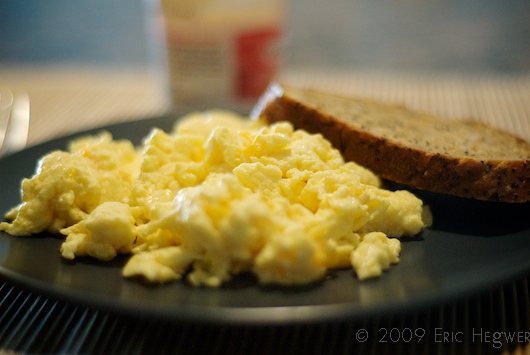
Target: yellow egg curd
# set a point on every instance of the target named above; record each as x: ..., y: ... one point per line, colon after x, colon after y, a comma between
x: 217, y: 196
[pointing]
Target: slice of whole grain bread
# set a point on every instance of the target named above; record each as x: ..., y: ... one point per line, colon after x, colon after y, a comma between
x: 461, y: 158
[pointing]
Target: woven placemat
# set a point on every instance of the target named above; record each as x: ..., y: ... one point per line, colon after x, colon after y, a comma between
x: 65, y: 100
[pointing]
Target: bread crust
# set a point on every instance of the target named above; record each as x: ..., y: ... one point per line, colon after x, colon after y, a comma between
x: 436, y: 171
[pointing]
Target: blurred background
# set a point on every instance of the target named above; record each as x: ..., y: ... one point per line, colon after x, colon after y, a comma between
x: 466, y: 36
x: 94, y: 62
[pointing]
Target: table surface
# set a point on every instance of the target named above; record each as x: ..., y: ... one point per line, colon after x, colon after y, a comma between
x: 66, y: 100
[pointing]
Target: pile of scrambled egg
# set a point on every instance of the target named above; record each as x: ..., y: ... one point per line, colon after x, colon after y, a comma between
x: 217, y: 196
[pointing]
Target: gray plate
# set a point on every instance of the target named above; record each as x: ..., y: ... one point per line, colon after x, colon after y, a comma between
x: 471, y: 247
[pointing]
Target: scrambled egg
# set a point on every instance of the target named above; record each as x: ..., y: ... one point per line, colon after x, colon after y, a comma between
x: 68, y: 186
x: 217, y: 196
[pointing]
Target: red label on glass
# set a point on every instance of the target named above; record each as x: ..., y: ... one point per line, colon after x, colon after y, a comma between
x: 257, y: 61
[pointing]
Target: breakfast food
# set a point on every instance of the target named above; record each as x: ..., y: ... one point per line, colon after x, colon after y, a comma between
x: 455, y: 157
x: 217, y: 196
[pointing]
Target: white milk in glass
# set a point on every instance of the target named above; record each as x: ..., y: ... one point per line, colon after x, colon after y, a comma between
x: 221, y: 53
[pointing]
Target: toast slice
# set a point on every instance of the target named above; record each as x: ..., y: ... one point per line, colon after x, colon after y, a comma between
x: 461, y: 158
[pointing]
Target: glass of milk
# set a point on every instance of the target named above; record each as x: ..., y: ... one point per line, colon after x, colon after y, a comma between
x: 221, y: 53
